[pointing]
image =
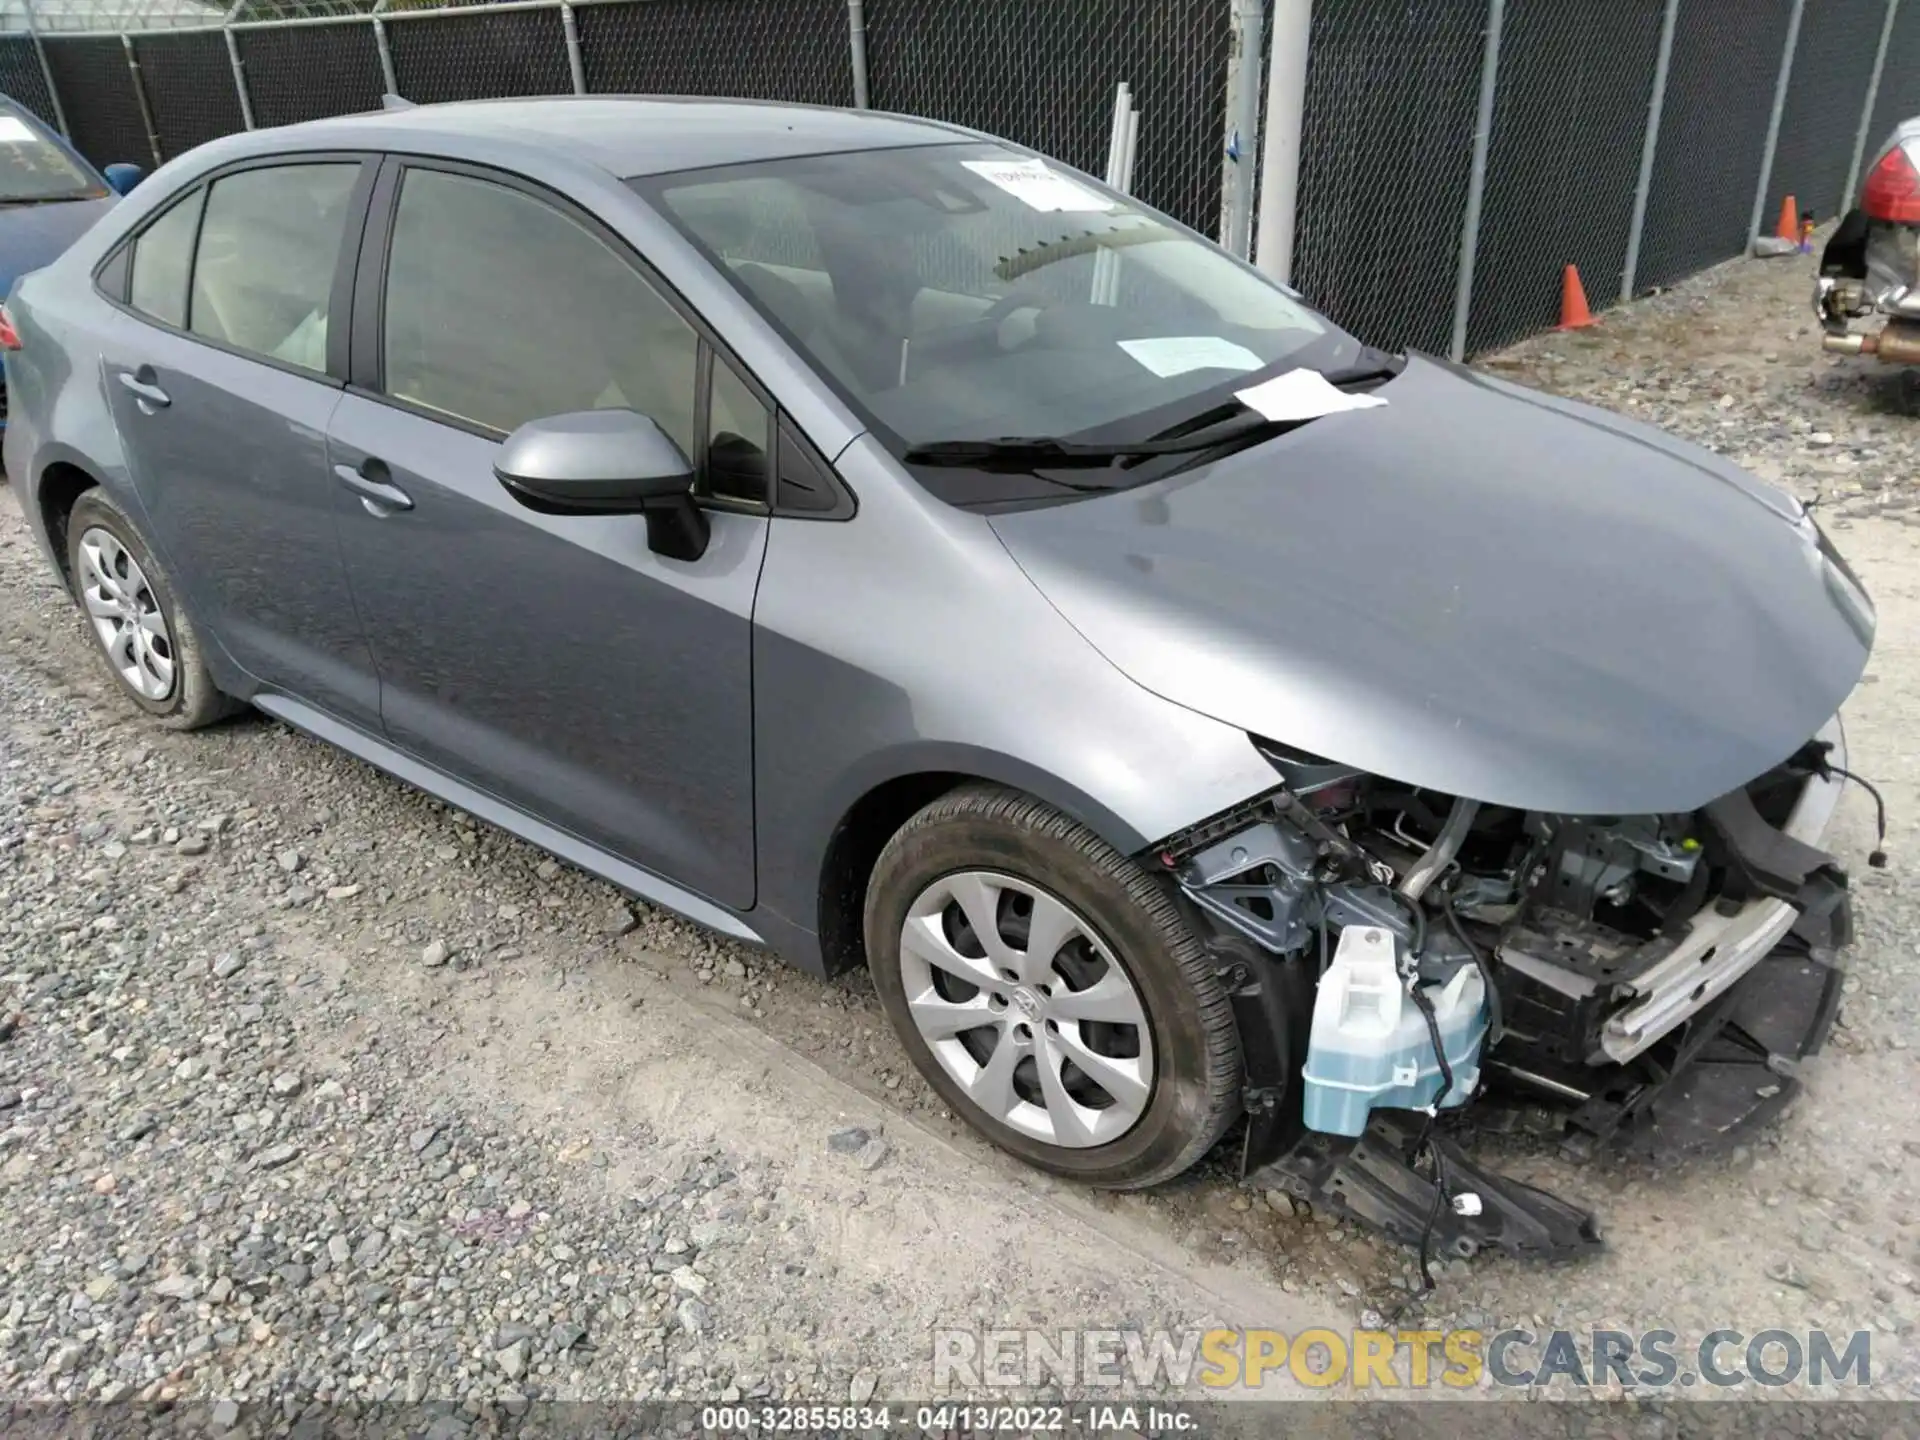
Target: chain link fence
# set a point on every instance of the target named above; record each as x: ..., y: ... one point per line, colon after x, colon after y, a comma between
x: 1392, y: 88
x: 719, y: 47
x: 1634, y: 139
x: 1726, y: 62
x: 1563, y: 160
x: 1833, y: 56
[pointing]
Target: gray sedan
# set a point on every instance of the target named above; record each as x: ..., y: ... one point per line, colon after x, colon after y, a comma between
x: 892, y: 547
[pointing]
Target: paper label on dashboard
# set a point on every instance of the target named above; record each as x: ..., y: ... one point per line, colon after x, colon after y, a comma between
x: 1302, y: 395
x: 1032, y: 183
x: 14, y: 131
x: 1167, y: 355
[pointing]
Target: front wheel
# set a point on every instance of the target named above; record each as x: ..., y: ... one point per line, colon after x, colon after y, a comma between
x: 1050, y: 990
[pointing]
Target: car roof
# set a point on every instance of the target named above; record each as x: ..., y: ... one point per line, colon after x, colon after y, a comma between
x: 631, y: 135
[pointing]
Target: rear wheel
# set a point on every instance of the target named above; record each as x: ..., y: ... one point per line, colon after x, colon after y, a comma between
x: 142, y: 631
x: 1049, y: 989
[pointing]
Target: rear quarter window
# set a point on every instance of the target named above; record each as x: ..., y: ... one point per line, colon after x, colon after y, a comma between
x: 162, y: 258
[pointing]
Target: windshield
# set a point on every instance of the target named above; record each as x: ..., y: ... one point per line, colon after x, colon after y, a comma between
x: 967, y: 292
x: 33, y: 168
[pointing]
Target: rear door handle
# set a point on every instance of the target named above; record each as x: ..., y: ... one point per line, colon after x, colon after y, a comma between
x: 141, y: 383
x: 367, y: 480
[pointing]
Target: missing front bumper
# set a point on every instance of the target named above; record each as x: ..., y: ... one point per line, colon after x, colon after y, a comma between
x: 1719, y: 949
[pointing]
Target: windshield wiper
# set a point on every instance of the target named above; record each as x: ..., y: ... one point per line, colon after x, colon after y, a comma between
x: 1019, y: 451
x: 1204, y: 431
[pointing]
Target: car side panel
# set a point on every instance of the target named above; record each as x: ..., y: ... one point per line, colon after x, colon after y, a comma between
x: 555, y: 661
x: 907, y: 641
x: 234, y: 475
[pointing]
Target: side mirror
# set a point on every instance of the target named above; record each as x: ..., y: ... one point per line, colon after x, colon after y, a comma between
x: 607, y: 462
x: 122, y: 178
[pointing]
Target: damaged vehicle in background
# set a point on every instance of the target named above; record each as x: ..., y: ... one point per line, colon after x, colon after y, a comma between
x: 1870, y: 266
x: 897, y: 548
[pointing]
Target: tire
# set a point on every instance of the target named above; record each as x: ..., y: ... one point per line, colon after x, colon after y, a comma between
x: 995, y: 852
x: 174, y: 686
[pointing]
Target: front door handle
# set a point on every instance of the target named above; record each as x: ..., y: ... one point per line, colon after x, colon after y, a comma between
x: 368, y: 480
x: 148, y: 395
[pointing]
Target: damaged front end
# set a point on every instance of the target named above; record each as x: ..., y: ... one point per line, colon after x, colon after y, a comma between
x: 1870, y: 266
x: 1393, y: 952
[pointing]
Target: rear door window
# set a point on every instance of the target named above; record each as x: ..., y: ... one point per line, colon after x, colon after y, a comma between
x: 163, y: 259
x: 263, y: 272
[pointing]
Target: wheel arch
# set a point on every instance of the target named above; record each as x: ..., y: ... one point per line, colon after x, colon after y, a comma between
x: 889, y: 795
x: 57, y: 489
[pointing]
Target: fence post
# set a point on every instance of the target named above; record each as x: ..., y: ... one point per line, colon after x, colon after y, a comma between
x: 1866, y: 111
x: 1280, y: 146
x: 1773, y: 122
x: 857, y: 51
x: 1649, y: 147
x: 46, y: 70
x: 1243, y: 125
x: 233, y: 59
x: 386, y: 55
x: 140, y: 94
x: 1477, y: 180
x: 576, y: 67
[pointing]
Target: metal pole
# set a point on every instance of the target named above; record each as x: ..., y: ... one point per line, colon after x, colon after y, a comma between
x: 1773, y: 123
x: 386, y: 53
x: 1477, y: 180
x: 1649, y: 147
x: 140, y: 94
x: 857, y: 51
x: 576, y: 67
x: 1280, y: 146
x: 46, y: 70
x: 1243, y: 144
x: 239, y: 79
x: 1866, y: 111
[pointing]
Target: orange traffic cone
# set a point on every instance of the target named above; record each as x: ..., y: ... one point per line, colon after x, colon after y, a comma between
x: 1574, y: 314
x: 1789, y: 226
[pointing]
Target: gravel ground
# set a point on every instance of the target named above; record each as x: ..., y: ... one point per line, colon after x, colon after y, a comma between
x: 310, y: 1086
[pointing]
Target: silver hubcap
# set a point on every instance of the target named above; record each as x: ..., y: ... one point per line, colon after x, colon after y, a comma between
x: 1027, y: 1009
x: 126, y: 615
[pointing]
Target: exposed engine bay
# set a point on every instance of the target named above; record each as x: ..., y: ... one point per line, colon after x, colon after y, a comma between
x: 1395, y: 953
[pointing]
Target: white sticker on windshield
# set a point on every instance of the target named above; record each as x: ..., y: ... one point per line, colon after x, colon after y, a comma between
x: 1033, y: 184
x: 13, y: 130
x: 1301, y: 395
x: 1168, y: 355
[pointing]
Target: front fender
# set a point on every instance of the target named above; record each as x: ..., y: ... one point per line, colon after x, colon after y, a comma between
x: 906, y: 642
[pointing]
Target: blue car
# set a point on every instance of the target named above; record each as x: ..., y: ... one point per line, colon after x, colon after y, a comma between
x: 49, y: 196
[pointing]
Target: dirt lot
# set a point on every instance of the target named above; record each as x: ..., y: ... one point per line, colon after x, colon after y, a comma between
x: 312, y: 1086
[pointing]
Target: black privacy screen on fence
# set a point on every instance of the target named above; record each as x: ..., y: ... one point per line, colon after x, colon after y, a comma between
x: 1564, y: 159
x: 189, y: 84
x: 311, y: 71
x: 1899, y: 95
x: 1726, y: 62
x: 103, y: 109
x: 477, y: 53
x: 1392, y: 88
x: 1832, y: 64
x: 719, y: 47
x: 22, y: 79
x: 1044, y: 75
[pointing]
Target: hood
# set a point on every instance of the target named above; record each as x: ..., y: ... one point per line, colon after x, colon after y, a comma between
x: 1475, y: 589
x: 35, y: 235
